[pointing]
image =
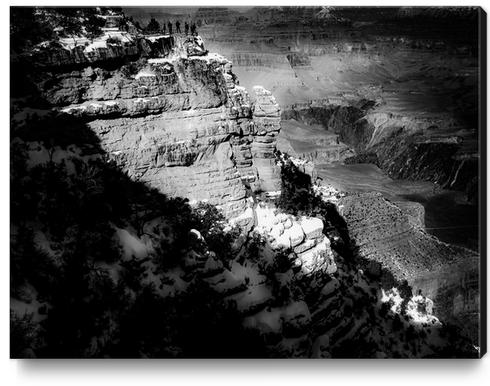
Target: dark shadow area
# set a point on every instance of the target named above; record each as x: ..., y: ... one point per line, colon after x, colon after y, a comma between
x: 79, y: 309
x: 74, y: 291
x: 450, y: 219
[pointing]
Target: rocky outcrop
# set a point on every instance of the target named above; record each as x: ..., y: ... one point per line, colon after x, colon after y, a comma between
x: 303, y: 237
x: 266, y: 117
x: 180, y: 123
x: 81, y: 51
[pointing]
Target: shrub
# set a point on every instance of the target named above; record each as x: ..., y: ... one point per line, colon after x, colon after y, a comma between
x: 23, y: 335
x: 211, y: 223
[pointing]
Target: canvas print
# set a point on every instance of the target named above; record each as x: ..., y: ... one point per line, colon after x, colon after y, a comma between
x: 247, y: 182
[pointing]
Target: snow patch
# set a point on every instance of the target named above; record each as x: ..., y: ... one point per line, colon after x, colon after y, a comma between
x: 131, y: 244
x: 419, y: 308
x: 144, y: 74
x: 211, y: 57
x: 153, y: 39
x: 159, y: 60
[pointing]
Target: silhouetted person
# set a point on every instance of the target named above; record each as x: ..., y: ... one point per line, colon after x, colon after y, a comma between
x: 177, y: 27
x: 193, y: 29
x: 169, y: 27
x: 164, y: 28
x: 186, y: 28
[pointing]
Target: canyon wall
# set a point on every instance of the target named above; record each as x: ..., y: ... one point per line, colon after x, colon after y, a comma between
x: 180, y: 123
x: 388, y: 238
x: 436, y: 149
x: 399, y: 89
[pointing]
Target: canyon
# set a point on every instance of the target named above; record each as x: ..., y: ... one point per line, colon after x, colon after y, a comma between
x: 383, y: 102
x: 344, y: 115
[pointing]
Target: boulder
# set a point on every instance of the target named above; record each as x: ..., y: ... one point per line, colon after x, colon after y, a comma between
x: 312, y: 227
x: 306, y: 245
x: 318, y: 258
x: 295, y: 234
x: 283, y: 241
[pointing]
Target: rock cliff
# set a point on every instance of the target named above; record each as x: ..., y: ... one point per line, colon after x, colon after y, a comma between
x: 180, y: 123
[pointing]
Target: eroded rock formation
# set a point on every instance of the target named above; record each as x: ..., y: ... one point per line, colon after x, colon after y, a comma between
x: 180, y: 123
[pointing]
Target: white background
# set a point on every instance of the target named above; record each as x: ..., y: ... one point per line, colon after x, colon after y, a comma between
x: 204, y: 372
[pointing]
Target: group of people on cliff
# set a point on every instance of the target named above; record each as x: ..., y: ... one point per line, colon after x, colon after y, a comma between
x: 192, y: 27
x: 167, y: 27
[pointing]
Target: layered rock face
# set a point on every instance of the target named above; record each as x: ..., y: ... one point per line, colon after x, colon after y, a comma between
x: 266, y: 117
x: 422, y: 87
x: 384, y: 233
x: 451, y: 160
x: 435, y: 149
x: 79, y: 51
x: 179, y: 123
x: 316, y: 131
